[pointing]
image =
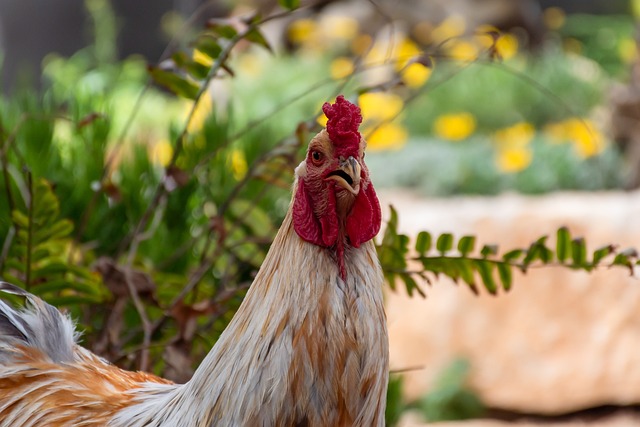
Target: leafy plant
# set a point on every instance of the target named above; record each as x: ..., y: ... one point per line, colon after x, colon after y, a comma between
x: 460, y: 259
x: 451, y: 399
x: 41, y: 256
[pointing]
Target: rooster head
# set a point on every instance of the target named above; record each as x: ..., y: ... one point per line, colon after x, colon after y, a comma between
x: 335, y: 203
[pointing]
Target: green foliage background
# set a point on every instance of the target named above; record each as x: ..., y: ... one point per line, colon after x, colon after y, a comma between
x: 153, y: 250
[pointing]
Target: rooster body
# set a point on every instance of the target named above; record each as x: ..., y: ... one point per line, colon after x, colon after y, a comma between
x: 307, y: 347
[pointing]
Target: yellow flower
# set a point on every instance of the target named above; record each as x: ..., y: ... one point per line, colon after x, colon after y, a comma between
x: 406, y: 51
x: 520, y: 134
x: 238, y: 164
x: 387, y: 136
x: 628, y: 50
x: 454, y: 127
x: 513, y: 159
x: 361, y: 43
x: 415, y: 75
x: 380, y: 106
x: 507, y: 45
x: 322, y: 119
x: 202, y: 111
x: 341, y: 67
x: 302, y: 30
x: 339, y: 27
x: 586, y: 138
x: 461, y: 50
x: 553, y: 17
x: 453, y: 26
x: 162, y: 152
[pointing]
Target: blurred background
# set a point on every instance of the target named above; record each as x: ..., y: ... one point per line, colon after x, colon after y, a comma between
x: 504, y: 119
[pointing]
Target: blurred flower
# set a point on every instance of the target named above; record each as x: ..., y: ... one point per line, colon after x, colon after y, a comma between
x: 462, y: 50
x: 379, y: 109
x: 416, y: 74
x: 553, y: 17
x: 380, y: 106
x: 628, y: 50
x: 316, y: 37
x: 454, y: 127
x: 412, y: 74
x: 453, y: 26
x: 386, y: 136
x: 514, y: 159
x: 513, y: 151
x: 161, y: 152
x: 321, y: 119
x: 587, y: 140
x: 202, y: 111
x: 405, y: 52
x: 519, y: 134
x: 505, y: 44
x: 341, y: 67
x: 572, y: 45
x: 361, y: 43
x: 238, y: 164
x: 302, y: 30
x: 339, y: 27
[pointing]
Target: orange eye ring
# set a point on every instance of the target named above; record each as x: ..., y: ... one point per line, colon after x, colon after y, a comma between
x: 317, y: 158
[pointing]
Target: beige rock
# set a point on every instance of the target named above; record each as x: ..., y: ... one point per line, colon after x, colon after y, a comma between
x: 623, y: 419
x: 560, y: 340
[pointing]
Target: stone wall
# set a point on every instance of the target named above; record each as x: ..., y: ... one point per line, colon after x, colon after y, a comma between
x: 560, y: 340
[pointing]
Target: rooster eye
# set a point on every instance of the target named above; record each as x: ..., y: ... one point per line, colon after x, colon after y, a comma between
x: 316, y: 156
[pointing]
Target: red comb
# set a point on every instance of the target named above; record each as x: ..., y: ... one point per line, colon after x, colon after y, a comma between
x: 342, y: 126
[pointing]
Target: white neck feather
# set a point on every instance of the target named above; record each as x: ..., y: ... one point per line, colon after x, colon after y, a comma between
x: 304, y: 347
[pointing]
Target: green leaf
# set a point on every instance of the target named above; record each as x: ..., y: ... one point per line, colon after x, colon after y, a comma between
x: 465, y: 267
x: 563, y: 244
x: 466, y: 245
x: 173, y: 82
x: 256, y: 37
x: 485, y: 269
x: 538, y: 251
x: 423, y: 243
x: 208, y: 45
x: 578, y: 252
x: 488, y: 250
x: 410, y: 284
x: 506, y: 276
x: 195, y: 69
x: 19, y: 219
x: 622, y: 260
x: 221, y: 29
x: 444, y: 243
x: 289, y: 4
x: 601, y: 253
x: 58, y: 230
x: 512, y: 255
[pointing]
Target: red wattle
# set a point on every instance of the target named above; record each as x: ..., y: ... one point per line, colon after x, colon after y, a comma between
x: 321, y: 231
x: 364, y: 221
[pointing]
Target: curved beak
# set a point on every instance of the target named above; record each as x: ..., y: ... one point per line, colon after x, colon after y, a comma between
x: 347, y: 175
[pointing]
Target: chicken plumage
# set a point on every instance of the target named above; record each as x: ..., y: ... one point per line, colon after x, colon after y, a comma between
x: 307, y: 347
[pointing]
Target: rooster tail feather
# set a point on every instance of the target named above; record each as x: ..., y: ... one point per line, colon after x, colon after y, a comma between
x: 38, y: 325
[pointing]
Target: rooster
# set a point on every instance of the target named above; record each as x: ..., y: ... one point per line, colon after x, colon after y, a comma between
x: 307, y: 347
